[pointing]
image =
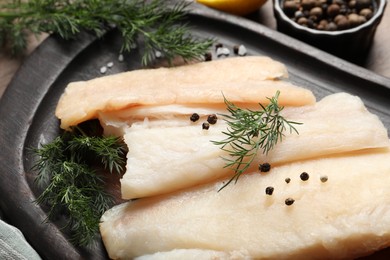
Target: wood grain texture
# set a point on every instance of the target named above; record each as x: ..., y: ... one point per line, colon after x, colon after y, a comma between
x: 9, y: 65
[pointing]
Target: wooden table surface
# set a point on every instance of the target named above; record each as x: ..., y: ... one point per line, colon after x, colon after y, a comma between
x: 378, y: 58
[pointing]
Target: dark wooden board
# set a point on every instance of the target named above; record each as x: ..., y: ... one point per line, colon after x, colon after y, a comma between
x: 27, y: 107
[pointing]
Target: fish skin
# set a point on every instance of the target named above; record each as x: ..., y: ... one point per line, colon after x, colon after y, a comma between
x: 344, y: 218
x: 165, y: 159
x: 246, y: 79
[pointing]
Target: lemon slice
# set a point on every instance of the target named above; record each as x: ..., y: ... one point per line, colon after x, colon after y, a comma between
x: 237, y: 7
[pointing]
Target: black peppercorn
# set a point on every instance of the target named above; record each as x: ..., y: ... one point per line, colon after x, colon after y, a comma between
x: 194, y: 117
x: 264, y: 167
x: 269, y: 190
x: 289, y: 201
x: 235, y: 49
x: 218, y: 45
x: 324, y: 178
x: 208, y: 56
x: 333, y: 10
x: 287, y: 180
x: 304, y: 176
x: 212, y: 119
x: 205, y: 126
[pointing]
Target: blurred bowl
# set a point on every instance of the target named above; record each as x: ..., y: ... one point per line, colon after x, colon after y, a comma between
x: 351, y: 44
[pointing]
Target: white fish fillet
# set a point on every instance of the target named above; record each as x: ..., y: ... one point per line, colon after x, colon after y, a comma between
x: 241, y: 79
x: 348, y: 216
x: 196, y: 254
x: 166, y: 159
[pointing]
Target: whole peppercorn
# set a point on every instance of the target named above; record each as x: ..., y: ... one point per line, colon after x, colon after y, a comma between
x: 342, y: 23
x: 353, y: 20
x: 269, y: 190
x: 331, y: 26
x: 360, y: 4
x: 316, y: 11
x: 290, y: 7
x: 298, y: 14
x: 205, y: 126
x: 287, y: 180
x: 208, y: 56
x: 322, y: 25
x: 307, y: 4
x: 264, y: 167
x: 362, y: 19
x: 235, y: 49
x: 289, y: 201
x: 322, y: 2
x: 302, y: 21
x: 212, y: 119
x: 304, y: 176
x: 339, y: 17
x: 324, y: 178
x: 366, y: 12
x: 344, y: 10
x: 310, y: 22
x: 218, y: 45
x: 352, y: 4
x: 194, y: 117
x: 333, y: 10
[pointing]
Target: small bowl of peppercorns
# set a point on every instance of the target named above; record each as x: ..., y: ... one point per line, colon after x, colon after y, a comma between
x: 344, y: 28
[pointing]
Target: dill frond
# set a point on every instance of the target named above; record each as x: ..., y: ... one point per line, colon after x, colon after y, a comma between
x: 250, y: 132
x: 159, y: 25
x: 66, y: 173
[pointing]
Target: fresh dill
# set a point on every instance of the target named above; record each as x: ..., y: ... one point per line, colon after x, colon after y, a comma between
x: 158, y: 24
x: 250, y: 131
x: 71, y: 185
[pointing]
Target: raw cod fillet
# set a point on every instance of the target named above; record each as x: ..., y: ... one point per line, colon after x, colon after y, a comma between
x: 241, y: 79
x: 345, y: 217
x: 196, y: 254
x: 166, y: 159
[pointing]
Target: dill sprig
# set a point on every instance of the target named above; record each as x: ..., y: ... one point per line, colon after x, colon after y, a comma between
x: 71, y: 186
x: 250, y: 131
x: 159, y: 25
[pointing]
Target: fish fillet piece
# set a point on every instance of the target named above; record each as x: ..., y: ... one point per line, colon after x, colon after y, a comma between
x: 166, y: 159
x: 196, y: 254
x: 240, y: 79
x: 345, y: 217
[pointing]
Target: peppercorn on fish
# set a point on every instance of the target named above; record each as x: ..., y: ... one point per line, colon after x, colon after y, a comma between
x: 240, y: 79
x: 341, y: 211
x: 166, y: 155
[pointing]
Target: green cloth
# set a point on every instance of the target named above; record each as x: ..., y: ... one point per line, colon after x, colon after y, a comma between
x: 13, y: 245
